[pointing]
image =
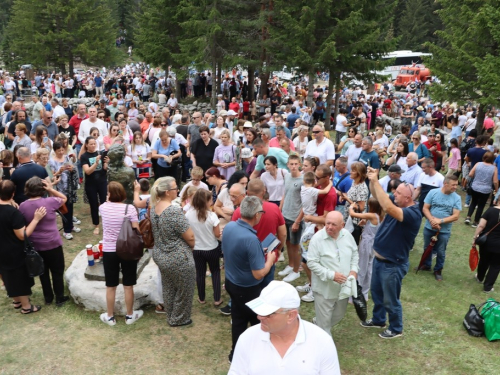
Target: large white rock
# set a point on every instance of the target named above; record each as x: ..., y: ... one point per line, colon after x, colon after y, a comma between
x: 92, y: 294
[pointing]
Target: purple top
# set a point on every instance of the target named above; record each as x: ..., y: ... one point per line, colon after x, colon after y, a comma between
x: 225, y: 154
x: 46, y: 235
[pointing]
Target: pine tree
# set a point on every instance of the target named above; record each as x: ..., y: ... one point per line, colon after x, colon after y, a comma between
x: 418, y: 24
x: 61, y: 32
x: 468, y: 62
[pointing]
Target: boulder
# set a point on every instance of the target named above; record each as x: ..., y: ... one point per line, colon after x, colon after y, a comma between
x: 91, y: 294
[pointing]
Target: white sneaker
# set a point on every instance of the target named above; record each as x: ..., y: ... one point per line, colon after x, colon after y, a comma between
x: 281, y: 258
x: 68, y: 236
x: 466, y: 205
x: 286, y: 271
x: 303, y: 288
x: 314, y: 320
x: 309, y: 297
x: 76, y: 230
x: 292, y: 276
x: 106, y: 319
x: 136, y: 315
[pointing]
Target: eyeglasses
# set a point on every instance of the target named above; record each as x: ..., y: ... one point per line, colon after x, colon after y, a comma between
x: 194, y: 118
x: 319, y: 178
x: 415, y: 138
x: 49, y: 117
x: 316, y: 131
x: 430, y: 136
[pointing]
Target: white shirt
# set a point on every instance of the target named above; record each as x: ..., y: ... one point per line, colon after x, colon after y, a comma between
x: 275, y: 187
x: 300, y: 147
x: 384, y: 182
x: 172, y: 102
x: 324, y: 151
x: 85, y: 127
x: 339, y: 124
x: 138, y: 151
x: 462, y: 120
x: 352, y: 155
x: 202, y: 185
x: 437, y: 180
x: 309, y: 198
x: 58, y: 111
x: 204, y: 238
x: 312, y: 353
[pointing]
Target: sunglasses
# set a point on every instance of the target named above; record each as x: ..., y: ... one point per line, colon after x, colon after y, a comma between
x: 316, y: 131
x: 409, y: 187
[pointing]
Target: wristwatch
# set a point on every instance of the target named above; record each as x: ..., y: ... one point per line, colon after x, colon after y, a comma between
x: 442, y: 221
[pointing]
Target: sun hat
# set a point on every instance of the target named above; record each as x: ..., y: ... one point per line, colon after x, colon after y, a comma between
x: 277, y: 295
x: 246, y: 153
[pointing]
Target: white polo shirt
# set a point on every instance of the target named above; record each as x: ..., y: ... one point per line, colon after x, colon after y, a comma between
x: 352, y: 155
x: 313, y: 352
x: 324, y: 151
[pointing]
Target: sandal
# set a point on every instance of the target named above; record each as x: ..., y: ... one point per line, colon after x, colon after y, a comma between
x: 31, y: 309
x: 160, y: 309
x: 201, y: 302
x: 17, y: 305
x: 217, y: 304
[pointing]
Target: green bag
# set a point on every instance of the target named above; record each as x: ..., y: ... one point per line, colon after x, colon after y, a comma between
x: 491, y: 316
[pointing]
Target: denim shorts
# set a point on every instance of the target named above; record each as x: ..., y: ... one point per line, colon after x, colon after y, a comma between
x: 293, y: 237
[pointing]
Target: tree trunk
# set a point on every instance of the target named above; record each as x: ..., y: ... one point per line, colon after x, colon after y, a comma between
x: 263, y: 83
x: 251, y: 86
x: 213, y: 94
x: 70, y: 63
x: 337, y: 94
x: 310, y: 89
x: 178, y: 92
x: 329, y: 103
x: 219, y: 77
x: 481, y: 114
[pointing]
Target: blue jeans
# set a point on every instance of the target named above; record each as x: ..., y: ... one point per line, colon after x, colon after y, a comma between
x: 387, y: 279
x: 78, y: 147
x: 439, y: 248
x: 269, y: 277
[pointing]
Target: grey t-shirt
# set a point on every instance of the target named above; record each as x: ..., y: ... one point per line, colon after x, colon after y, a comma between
x: 292, y: 203
x: 194, y: 131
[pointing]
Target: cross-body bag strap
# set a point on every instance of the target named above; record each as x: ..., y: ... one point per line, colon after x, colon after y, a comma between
x: 339, y: 181
x: 495, y: 225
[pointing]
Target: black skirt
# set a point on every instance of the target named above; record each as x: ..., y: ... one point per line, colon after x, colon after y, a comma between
x: 17, y: 282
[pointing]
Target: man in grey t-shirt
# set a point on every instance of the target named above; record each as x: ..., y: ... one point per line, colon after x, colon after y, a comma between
x: 291, y: 207
x: 194, y: 129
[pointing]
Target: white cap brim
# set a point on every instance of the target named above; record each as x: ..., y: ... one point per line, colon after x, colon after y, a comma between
x: 260, y: 307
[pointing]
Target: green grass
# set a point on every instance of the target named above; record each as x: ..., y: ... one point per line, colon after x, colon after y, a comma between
x: 71, y: 340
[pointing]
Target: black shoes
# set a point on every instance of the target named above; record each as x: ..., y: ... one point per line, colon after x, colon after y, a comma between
x: 226, y: 310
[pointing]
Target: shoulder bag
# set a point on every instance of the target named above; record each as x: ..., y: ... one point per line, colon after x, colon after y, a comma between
x: 481, y: 240
x: 34, y: 262
x: 129, y: 245
x: 473, y: 321
x: 147, y: 230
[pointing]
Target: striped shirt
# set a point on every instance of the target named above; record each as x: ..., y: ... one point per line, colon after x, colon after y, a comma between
x: 112, y: 215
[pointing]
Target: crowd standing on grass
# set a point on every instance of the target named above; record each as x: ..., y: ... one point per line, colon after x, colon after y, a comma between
x: 345, y: 204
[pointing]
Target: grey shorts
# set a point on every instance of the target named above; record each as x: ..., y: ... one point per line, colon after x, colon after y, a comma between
x: 293, y: 237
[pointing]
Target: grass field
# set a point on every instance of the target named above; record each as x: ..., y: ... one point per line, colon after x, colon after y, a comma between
x: 70, y: 340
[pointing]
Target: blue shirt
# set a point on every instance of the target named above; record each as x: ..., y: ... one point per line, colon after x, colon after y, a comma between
x: 497, y: 163
x: 456, y: 132
x: 243, y: 253
x: 369, y: 159
x: 273, y: 131
x: 475, y: 155
x: 442, y: 205
x: 98, y: 81
x: 292, y: 117
x: 344, y: 185
x: 394, y: 239
x: 173, y: 146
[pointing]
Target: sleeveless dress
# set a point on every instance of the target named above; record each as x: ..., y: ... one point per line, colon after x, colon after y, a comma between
x: 175, y: 260
x: 366, y: 256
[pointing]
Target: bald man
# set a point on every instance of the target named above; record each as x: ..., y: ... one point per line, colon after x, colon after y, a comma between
x: 332, y: 258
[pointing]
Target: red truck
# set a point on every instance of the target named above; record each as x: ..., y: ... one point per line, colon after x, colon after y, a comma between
x: 410, y: 74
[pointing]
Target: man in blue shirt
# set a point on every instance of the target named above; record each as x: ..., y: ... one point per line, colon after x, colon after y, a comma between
x: 245, y: 265
x: 393, y: 242
x: 441, y: 208
x: 98, y: 84
x: 368, y: 156
x: 292, y: 117
x: 341, y: 181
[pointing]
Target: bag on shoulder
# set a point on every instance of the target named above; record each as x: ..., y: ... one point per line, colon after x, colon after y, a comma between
x: 147, y: 230
x: 129, y: 245
x: 34, y: 262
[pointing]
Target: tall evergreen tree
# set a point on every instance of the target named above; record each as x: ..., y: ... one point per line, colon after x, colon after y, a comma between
x: 468, y: 62
x: 60, y: 32
x: 418, y: 24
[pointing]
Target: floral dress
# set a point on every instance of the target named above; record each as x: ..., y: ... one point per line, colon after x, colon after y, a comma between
x: 175, y: 260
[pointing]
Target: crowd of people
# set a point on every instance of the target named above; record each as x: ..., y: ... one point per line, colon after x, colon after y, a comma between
x: 344, y: 207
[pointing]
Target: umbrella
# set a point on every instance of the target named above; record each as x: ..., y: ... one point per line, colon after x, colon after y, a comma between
x: 428, y: 251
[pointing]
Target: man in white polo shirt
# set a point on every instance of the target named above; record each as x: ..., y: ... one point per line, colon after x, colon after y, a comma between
x: 283, y: 343
x: 321, y: 147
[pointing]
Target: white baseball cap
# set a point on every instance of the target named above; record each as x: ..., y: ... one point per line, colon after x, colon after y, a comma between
x: 247, y: 124
x: 277, y: 295
x: 231, y: 113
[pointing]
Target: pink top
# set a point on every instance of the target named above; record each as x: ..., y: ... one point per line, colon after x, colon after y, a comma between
x: 274, y: 142
x: 112, y: 215
x: 454, y: 158
x: 488, y: 123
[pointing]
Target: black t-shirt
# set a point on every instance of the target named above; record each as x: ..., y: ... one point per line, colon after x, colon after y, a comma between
x: 204, y: 154
x: 22, y: 174
x: 69, y: 131
x: 99, y: 174
x: 12, y: 127
x: 12, y: 249
x: 492, y: 217
x: 182, y: 129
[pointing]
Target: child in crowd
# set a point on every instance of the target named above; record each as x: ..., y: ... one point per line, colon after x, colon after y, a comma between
x: 196, y: 177
x: 373, y: 218
x: 309, y: 194
x: 187, y: 196
x: 454, y: 158
x: 144, y: 196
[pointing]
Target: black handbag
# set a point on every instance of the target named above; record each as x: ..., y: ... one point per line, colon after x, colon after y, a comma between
x: 34, y: 262
x: 474, y: 322
x: 481, y: 240
x: 360, y: 304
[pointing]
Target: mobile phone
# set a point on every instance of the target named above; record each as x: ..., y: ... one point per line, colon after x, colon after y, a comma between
x: 120, y: 132
x: 45, y: 139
